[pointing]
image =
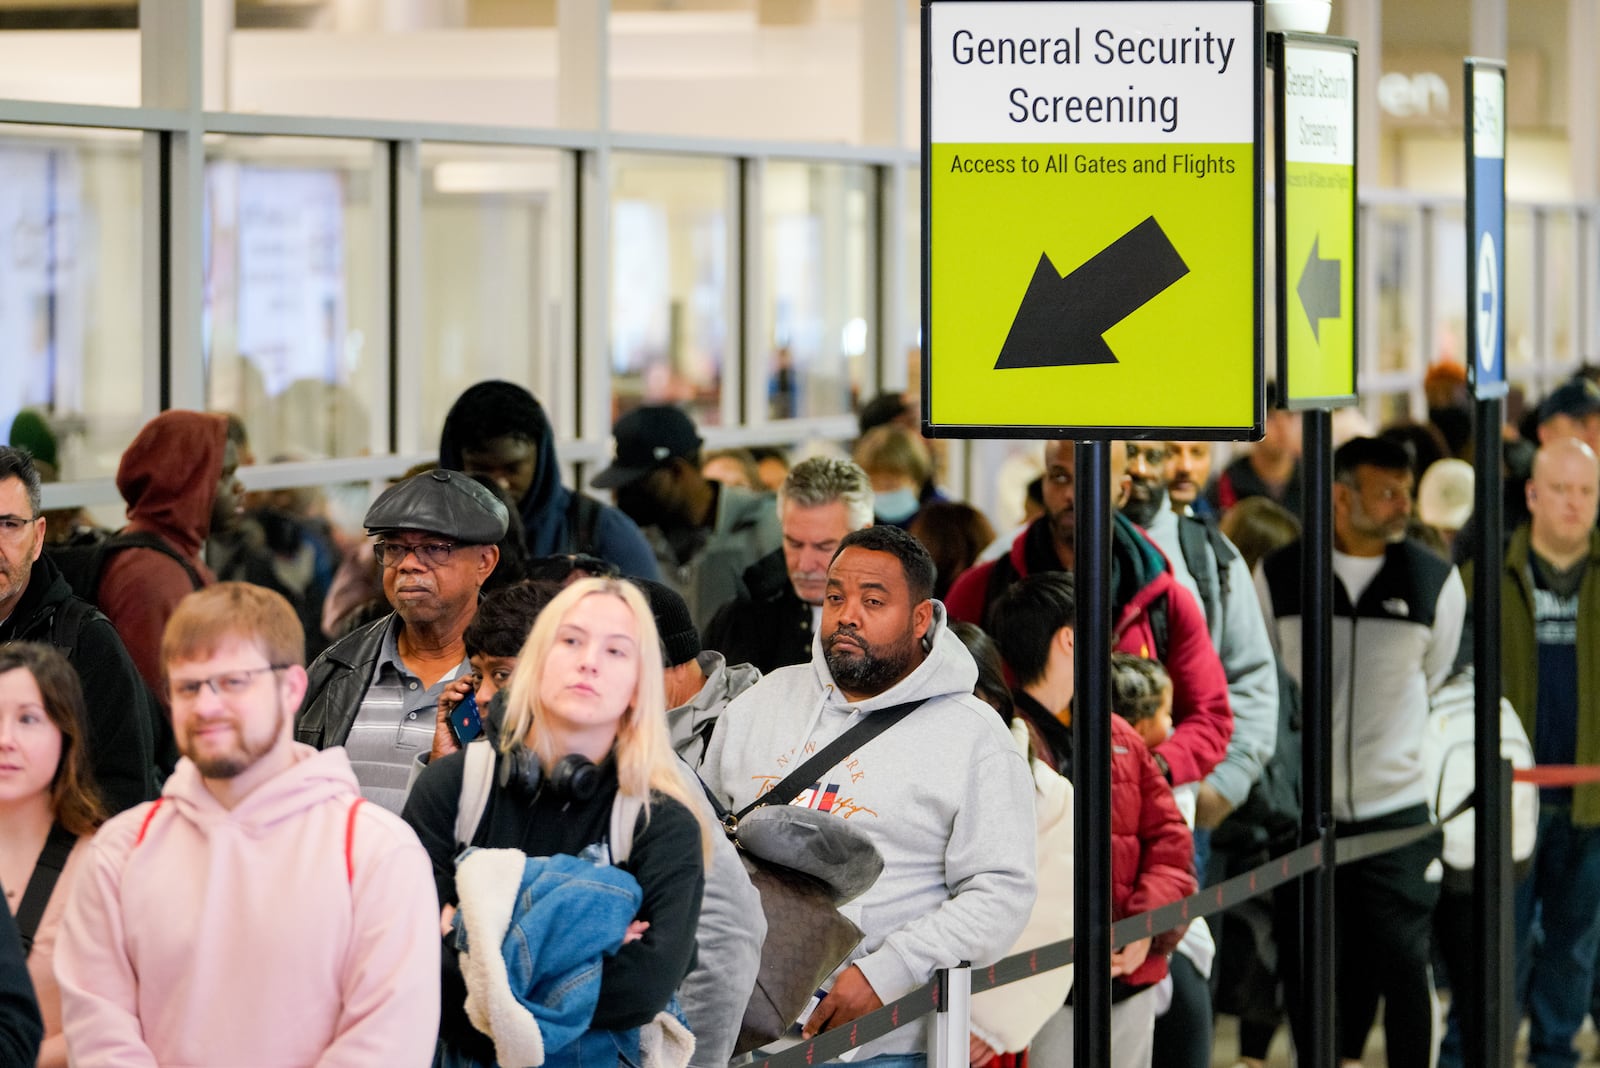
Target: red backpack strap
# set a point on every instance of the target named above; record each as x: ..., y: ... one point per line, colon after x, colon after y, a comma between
x: 350, y: 842
x: 148, y: 816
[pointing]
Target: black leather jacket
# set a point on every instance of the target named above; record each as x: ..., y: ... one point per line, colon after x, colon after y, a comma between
x: 339, y: 679
x: 767, y: 624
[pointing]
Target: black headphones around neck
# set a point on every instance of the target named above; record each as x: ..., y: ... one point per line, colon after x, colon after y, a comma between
x: 575, y: 777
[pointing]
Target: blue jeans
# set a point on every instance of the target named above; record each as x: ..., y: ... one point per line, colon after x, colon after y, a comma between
x: 1555, y: 974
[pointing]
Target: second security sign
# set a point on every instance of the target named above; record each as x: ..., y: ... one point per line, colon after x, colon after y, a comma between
x: 1093, y: 182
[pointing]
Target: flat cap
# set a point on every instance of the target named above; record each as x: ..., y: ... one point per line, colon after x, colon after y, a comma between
x: 447, y: 503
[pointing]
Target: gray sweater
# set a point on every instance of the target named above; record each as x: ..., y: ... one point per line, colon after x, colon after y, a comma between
x: 944, y: 795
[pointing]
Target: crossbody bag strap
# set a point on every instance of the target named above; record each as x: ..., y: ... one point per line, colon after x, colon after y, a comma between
x: 52, y: 860
x: 871, y: 725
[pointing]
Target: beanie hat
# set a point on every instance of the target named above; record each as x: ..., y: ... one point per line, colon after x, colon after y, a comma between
x: 680, y: 642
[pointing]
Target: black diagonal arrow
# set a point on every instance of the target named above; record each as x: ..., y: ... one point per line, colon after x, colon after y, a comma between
x: 1319, y: 289
x: 1061, y: 320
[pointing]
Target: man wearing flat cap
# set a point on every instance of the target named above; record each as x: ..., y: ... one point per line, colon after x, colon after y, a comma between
x: 375, y: 690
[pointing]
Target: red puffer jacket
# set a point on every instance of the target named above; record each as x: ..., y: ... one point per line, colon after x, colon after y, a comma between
x: 1152, y: 851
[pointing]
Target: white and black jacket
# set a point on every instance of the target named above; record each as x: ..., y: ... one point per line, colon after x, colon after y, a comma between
x: 1391, y: 650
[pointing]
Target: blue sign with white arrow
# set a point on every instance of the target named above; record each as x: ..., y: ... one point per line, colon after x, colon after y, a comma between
x: 1486, y: 226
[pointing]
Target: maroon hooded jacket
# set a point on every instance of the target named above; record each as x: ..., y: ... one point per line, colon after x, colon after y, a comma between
x: 1141, y: 579
x: 169, y: 478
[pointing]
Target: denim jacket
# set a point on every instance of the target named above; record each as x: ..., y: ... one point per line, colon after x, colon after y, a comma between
x: 547, y: 923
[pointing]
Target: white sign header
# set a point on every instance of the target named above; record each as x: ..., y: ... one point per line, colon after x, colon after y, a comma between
x: 1093, y: 73
x: 1489, y: 114
x: 1318, y: 112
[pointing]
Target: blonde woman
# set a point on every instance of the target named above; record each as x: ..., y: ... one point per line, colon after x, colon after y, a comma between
x: 583, y: 721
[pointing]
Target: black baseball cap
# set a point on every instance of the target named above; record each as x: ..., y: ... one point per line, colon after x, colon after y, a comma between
x: 646, y: 438
x: 1576, y: 397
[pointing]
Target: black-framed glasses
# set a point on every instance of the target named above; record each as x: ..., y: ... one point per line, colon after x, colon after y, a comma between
x: 12, y: 526
x: 226, y: 684
x: 429, y: 553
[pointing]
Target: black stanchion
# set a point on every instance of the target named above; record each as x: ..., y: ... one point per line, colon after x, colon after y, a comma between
x: 1491, y: 874
x: 1316, y: 672
x: 1091, y: 759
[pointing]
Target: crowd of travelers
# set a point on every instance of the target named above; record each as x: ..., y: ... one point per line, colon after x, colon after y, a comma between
x: 490, y: 785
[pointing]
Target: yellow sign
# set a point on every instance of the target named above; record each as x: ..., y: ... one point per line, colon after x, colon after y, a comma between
x: 1317, y: 205
x: 1093, y: 178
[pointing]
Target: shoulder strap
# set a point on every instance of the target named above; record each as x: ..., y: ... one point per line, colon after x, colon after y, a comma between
x: 871, y: 725
x: 1160, y: 625
x: 350, y: 842
x: 583, y: 516
x: 135, y: 539
x: 477, y: 777
x: 1001, y: 577
x: 52, y: 859
x: 1204, y: 566
x: 624, y: 818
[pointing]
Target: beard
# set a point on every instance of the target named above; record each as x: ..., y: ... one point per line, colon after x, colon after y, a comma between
x: 1145, y: 499
x: 873, y: 669
x: 242, y: 755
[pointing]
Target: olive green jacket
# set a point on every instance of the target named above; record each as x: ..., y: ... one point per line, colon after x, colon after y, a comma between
x: 1519, y: 657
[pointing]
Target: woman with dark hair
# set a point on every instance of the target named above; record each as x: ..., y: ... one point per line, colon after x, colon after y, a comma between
x: 49, y: 808
x: 580, y: 733
x: 955, y: 533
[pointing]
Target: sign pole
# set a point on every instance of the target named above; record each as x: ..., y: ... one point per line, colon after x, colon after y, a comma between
x: 1091, y: 763
x: 1494, y: 945
x: 1315, y: 161
x: 1315, y: 1037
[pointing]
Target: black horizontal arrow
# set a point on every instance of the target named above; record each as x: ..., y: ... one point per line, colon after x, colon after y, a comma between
x: 1319, y: 289
x: 1061, y: 320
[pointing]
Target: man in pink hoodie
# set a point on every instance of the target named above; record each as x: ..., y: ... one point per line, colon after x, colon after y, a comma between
x: 258, y: 913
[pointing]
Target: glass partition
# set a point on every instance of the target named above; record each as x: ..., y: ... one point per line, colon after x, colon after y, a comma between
x: 71, y: 314
x: 497, y: 274
x: 674, y: 286
x: 819, y: 322
x: 293, y: 281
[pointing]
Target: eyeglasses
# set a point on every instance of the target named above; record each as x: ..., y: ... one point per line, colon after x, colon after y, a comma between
x: 1154, y: 455
x: 12, y: 526
x: 227, y: 684
x: 429, y: 553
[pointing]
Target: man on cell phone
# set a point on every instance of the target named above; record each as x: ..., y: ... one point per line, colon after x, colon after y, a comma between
x: 376, y: 690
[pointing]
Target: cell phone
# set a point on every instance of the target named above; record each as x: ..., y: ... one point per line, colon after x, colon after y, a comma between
x: 465, y: 721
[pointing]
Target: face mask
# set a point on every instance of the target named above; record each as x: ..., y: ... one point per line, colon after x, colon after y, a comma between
x: 896, y: 506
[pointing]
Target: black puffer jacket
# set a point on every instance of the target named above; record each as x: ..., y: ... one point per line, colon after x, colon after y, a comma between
x: 121, y: 708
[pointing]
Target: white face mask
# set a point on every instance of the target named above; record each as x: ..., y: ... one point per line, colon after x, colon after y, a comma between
x: 896, y: 506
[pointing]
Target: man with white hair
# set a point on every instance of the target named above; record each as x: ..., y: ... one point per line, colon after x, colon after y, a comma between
x: 772, y: 622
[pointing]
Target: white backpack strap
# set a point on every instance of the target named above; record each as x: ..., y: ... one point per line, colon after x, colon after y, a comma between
x: 624, y: 818
x: 477, y: 777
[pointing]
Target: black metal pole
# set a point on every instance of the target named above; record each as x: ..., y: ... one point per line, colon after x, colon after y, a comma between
x: 1316, y: 673
x: 1493, y: 943
x: 1091, y: 759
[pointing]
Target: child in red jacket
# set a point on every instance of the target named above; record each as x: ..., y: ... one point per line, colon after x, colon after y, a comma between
x: 1152, y: 852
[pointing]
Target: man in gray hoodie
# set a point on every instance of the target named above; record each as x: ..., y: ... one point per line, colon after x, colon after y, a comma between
x: 944, y: 795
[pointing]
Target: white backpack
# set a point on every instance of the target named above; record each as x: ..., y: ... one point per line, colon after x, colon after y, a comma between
x: 1447, y: 761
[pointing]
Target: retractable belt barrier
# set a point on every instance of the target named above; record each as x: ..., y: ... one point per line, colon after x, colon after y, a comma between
x: 1213, y: 899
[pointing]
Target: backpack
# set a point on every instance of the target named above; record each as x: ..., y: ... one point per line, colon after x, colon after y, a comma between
x: 82, y: 560
x: 477, y: 779
x: 1448, y: 744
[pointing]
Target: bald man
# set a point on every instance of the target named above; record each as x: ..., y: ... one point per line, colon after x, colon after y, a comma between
x: 1550, y: 671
